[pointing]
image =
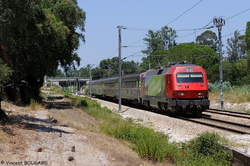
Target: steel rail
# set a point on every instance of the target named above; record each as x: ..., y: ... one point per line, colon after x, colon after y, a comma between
x: 229, y: 113
x: 223, y: 121
x: 242, y: 113
x: 215, y: 125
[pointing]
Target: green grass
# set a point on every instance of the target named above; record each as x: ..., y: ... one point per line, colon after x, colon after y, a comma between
x: 204, y: 150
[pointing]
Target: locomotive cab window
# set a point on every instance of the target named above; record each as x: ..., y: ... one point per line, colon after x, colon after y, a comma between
x: 189, y: 77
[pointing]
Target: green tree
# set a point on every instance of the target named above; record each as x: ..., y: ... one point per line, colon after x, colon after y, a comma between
x: 129, y: 67
x: 157, y: 42
x: 236, y: 48
x: 236, y: 73
x: 160, y: 40
x: 38, y: 36
x: 246, y: 78
x: 5, y: 73
x: 110, y: 67
x: 208, y: 38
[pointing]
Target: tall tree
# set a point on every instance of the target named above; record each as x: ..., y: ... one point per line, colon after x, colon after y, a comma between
x: 160, y: 40
x: 236, y: 48
x: 247, y: 40
x: 36, y: 36
x: 208, y: 38
x: 157, y: 42
x: 110, y: 67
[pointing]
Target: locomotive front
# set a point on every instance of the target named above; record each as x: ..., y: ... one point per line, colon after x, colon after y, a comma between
x: 188, y: 89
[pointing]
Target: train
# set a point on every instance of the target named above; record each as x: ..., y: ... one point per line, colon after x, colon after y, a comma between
x: 178, y: 88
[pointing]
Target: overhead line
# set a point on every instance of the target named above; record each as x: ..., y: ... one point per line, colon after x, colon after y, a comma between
x: 134, y: 43
x: 238, y: 14
x: 205, y: 27
x: 233, y: 33
x: 184, y: 12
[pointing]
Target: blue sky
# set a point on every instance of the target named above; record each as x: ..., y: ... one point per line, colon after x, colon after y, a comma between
x: 103, y: 17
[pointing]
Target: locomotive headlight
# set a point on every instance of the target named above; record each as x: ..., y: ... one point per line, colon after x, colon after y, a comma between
x: 200, y: 94
x: 181, y: 94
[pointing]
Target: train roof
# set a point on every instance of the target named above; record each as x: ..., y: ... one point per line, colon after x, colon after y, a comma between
x: 133, y: 75
x: 163, y: 71
x: 105, y: 79
x: 157, y: 72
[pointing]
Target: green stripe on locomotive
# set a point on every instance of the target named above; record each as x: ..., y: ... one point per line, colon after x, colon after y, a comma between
x: 155, y: 85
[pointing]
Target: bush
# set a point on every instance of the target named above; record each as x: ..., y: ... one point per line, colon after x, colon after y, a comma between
x: 216, y: 86
x: 206, y: 147
x: 148, y: 143
x: 34, y: 105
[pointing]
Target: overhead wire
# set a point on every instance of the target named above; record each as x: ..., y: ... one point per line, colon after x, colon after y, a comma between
x: 184, y: 12
x: 195, y: 29
x: 238, y: 14
x: 206, y: 26
x: 232, y: 33
x: 134, y: 54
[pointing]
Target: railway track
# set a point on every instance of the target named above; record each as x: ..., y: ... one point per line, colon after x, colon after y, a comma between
x: 221, y: 124
x: 221, y: 121
x: 229, y: 113
x: 236, y: 122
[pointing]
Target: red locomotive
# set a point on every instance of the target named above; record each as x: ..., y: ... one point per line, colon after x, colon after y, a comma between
x: 179, y: 88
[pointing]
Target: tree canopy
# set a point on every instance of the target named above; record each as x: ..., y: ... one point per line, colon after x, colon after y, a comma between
x: 236, y: 48
x: 37, y: 36
x: 208, y: 38
x: 160, y: 40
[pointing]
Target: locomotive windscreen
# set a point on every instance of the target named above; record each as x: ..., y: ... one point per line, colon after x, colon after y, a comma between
x: 189, y: 77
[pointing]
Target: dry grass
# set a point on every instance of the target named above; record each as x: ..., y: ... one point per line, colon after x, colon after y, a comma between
x: 230, y: 96
x: 75, y: 118
x: 34, y: 105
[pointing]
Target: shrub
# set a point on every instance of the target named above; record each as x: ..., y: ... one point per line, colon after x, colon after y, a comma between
x: 148, y: 143
x: 216, y: 86
x: 206, y: 147
x: 81, y: 102
x: 34, y: 104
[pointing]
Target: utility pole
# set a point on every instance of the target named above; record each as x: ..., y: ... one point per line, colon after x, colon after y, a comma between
x: 90, y: 79
x: 120, y: 65
x: 219, y: 22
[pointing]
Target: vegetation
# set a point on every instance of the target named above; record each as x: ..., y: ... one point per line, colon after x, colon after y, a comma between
x: 34, y: 105
x: 38, y: 36
x: 149, y: 144
x: 232, y: 94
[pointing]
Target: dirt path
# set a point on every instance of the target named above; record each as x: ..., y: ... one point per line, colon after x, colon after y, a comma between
x: 35, y: 139
x: 50, y: 144
x: 58, y: 145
